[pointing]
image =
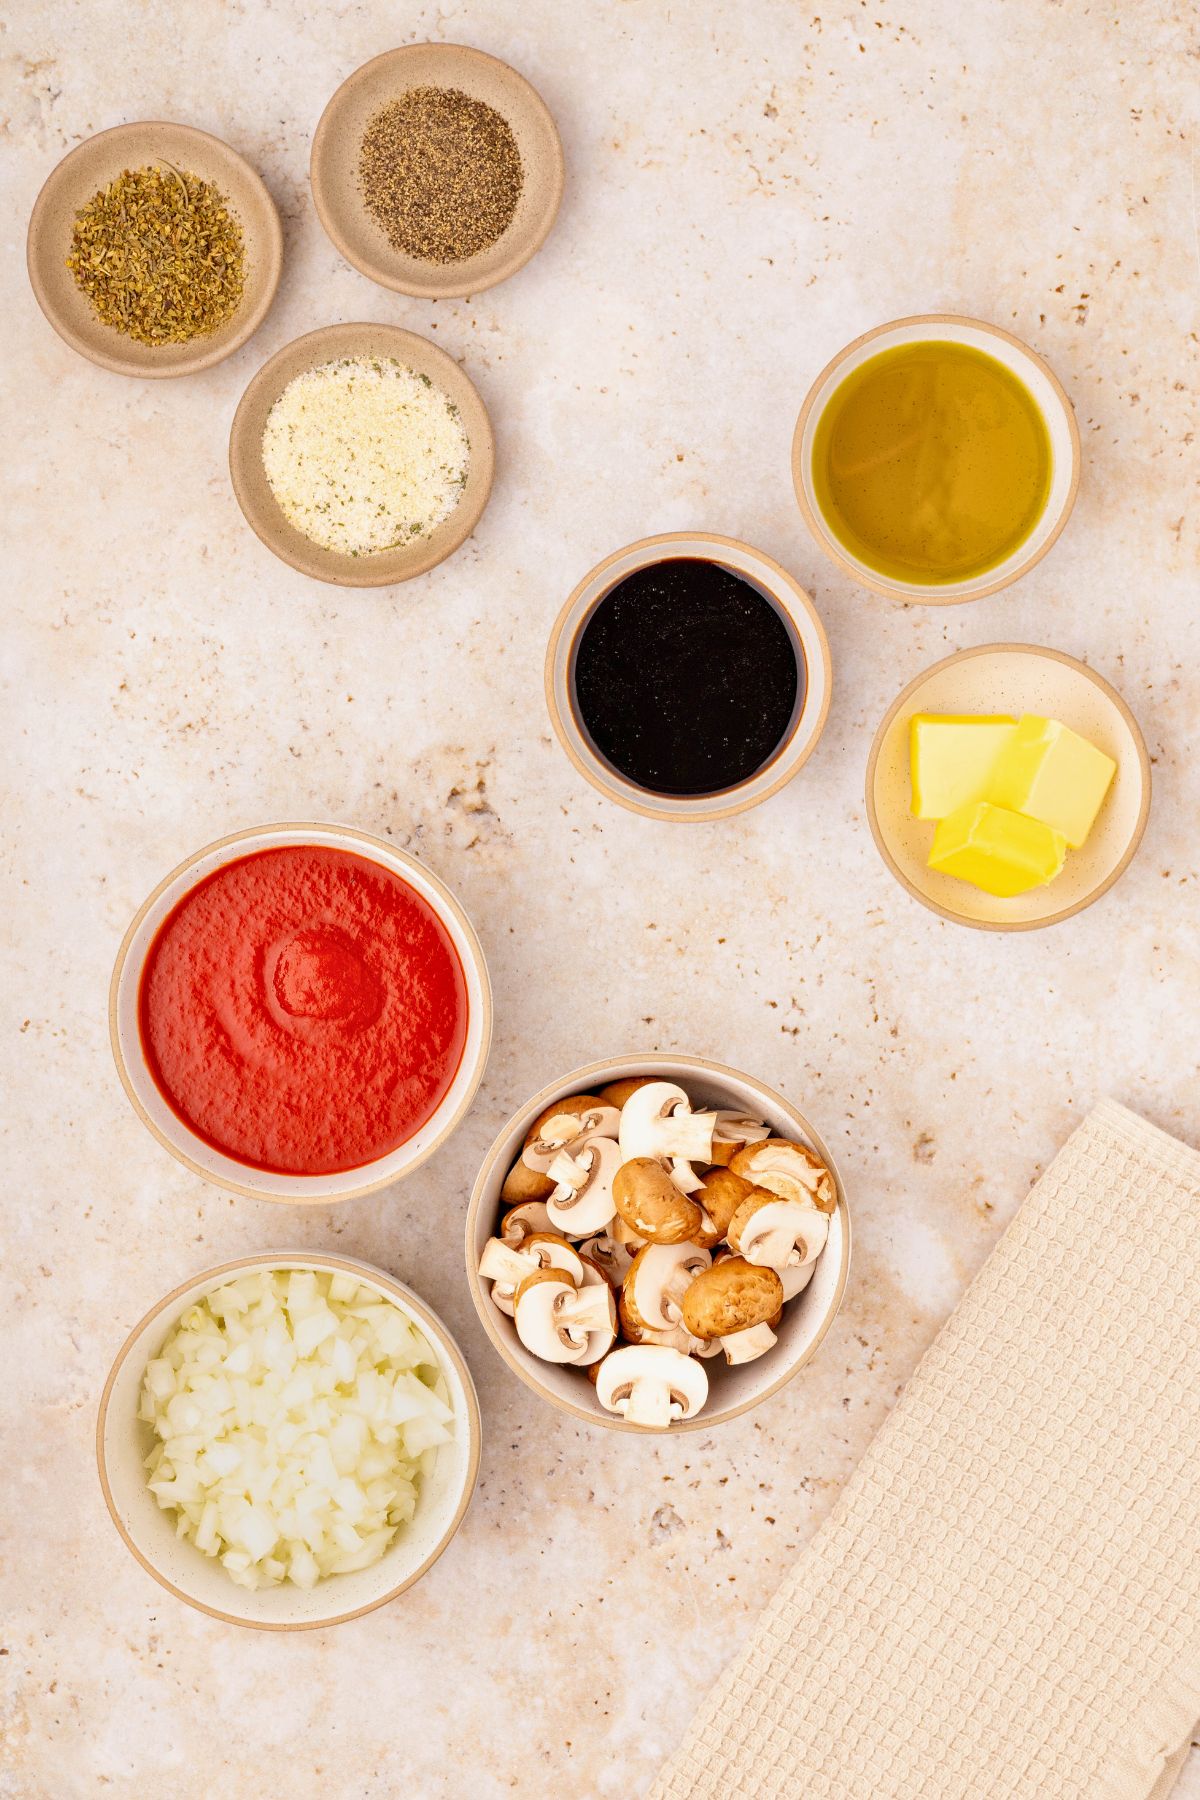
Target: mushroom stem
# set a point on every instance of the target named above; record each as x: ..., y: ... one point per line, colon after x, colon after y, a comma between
x: 744, y: 1346
x: 587, y: 1309
x: 501, y: 1262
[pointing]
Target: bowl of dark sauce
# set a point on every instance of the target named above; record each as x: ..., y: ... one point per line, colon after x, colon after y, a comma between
x: 688, y: 676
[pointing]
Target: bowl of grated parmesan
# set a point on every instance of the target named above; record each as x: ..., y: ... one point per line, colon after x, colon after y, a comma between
x: 361, y: 455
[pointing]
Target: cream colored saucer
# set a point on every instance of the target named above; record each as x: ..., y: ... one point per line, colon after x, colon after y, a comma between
x: 383, y: 568
x: 91, y: 167
x: 334, y: 167
x: 1011, y: 678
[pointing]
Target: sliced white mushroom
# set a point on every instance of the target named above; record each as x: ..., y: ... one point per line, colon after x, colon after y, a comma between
x: 613, y: 1258
x: 599, y: 1342
x: 777, y: 1233
x: 677, y: 1338
x: 657, y: 1121
x: 520, y: 1222
x: 506, y: 1267
x: 732, y: 1131
x: 660, y: 1276
x: 789, y: 1170
x: 795, y: 1279
x: 555, y: 1319
x: 565, y: 1130
x: 744, y: 1346
x: 582, y: 1201
x: 651, y: 1385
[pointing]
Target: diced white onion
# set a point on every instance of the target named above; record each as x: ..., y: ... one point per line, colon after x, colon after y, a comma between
x: 296, y: 1414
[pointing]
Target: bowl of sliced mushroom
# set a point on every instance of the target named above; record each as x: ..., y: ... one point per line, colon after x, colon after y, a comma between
x: 657, y: 1243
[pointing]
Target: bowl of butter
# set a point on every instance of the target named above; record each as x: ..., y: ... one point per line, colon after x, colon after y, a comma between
x: 1008, y: 787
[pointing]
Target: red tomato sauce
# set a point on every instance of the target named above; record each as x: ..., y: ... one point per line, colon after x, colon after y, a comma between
x: 303, y: 1010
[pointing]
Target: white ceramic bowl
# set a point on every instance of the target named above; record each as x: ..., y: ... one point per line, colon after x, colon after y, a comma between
x: 227, y: 1171
x: 805, y: 1320
x: 123, y: 1441
x: 804, y: 626
x: 1030, y: 370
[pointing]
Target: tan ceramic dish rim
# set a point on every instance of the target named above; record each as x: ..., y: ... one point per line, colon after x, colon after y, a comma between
x: 448, y: 287
x: 896, y: 590
x: 452, y: 906
x: 1114, y: 874
x: 787, y: 593
x: 378, y: 569
x: 436, y: 1330
x: 613, y: 1068
x: 253, y: 314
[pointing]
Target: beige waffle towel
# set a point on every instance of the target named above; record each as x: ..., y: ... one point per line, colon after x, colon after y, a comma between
x: 1005, y: 1603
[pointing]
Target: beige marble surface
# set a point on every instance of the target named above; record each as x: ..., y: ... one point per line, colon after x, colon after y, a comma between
x: 749, y: 185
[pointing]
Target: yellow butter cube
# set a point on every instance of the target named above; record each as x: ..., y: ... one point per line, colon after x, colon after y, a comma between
x: 1048, y: 772
x: 1002, y: 852
x: 951, y: 756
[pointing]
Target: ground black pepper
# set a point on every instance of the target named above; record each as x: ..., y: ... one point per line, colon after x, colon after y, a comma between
x: 441, y: 173
x: 686, y: 677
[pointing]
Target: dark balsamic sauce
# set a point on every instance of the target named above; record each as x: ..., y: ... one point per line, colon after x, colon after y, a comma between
x: 687, y: 678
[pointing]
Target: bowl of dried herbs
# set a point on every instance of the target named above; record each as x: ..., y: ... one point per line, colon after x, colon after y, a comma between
x: 154, y: 249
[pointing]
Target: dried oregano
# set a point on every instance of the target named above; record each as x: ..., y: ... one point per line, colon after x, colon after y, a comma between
x: 159, y: 255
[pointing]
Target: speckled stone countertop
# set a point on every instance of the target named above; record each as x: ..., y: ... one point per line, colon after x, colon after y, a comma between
x: 749, y: 186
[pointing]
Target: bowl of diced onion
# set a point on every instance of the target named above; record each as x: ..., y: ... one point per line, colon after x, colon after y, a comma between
x: 288, y: 1441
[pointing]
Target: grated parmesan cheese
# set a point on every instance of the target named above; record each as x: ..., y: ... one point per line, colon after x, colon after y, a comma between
x: 363, y: 454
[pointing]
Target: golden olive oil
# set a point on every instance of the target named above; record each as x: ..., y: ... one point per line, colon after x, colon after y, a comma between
x: 932, y: 463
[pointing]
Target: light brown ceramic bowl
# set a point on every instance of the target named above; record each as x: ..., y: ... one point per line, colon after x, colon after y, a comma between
x: 204, y: 1158
x: 1048, y: 394
x: 123, y: 1442
x: 334, y: 167
x: 1016, y: 679
x: 804, y: 627
x: 91, y: 167
x: 806, y: 1319
x: 383, y: 568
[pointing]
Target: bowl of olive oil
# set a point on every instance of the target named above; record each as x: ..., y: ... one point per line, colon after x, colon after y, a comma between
x: 936, y: 459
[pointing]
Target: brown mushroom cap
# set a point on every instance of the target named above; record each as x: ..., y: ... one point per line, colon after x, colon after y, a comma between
x: 573, y: 1104
x: 720, y: 1193
x: 733, y: 1295
x: 651, y: 1205
x: 618, y: 1092
x: 522, y: 1184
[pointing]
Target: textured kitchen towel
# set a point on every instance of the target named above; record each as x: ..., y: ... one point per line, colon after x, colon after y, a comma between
x: 1005, y: 1602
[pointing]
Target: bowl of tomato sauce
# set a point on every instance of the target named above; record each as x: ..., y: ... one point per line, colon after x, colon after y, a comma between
x: 301, y: 1012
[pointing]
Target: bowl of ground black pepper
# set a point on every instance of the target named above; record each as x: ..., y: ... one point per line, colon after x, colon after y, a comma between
x: 688, y: 676
x: 362, y: 455
x: 437, y: 170
x: 154, y: 249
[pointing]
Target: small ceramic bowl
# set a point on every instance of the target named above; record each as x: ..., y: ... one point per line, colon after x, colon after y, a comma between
x: 1035, y: 375
x: 804, y: 626
x: 806, y: 1319
x: 1016, y: 679
x: 383, y: 568
x: 203, y: 1158
x: 334, y: 167
x: 123, y: 1442
x: 91, y: 167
